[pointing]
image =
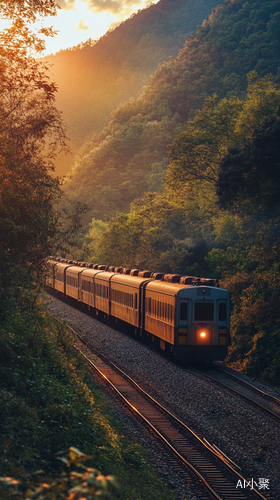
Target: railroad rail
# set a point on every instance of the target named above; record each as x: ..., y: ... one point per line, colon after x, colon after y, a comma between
x: 262, y: 400
x: 214, y: 474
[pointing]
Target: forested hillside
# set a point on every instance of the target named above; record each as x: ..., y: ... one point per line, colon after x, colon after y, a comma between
x: 129, y: 156
x: 218, y: 216
x: 95, y: 78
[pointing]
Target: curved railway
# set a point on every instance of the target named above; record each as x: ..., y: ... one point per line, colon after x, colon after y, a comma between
x: 211, y: 472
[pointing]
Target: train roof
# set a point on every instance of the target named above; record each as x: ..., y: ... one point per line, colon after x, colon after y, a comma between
x: 90, y: 273
x: 74, y: 269
x: 126, y: 279
x: 104, y: 275
x: 174, y: 288
x: 165, y: 287
x: 61, y: 265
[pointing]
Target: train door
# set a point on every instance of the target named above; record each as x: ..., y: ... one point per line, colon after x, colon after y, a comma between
x: 80, y: 286
x: 183, y: 317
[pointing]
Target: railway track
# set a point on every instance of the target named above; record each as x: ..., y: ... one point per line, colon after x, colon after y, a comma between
x: 203, y: 465
x: 262, y: 400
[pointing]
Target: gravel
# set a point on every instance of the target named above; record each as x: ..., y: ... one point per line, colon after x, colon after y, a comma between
x: 250, y: 438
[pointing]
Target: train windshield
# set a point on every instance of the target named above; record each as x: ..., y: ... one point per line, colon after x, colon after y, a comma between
x: 203, y: 311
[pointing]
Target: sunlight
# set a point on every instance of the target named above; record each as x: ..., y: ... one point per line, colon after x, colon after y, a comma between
x: 79, y: 22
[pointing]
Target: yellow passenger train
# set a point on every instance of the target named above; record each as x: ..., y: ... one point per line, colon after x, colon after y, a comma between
x: 184, y: 315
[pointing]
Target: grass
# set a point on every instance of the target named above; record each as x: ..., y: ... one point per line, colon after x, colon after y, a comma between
x: 49, y: 403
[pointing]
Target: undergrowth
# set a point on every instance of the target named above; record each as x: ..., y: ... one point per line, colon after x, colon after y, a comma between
x: 49, y: 403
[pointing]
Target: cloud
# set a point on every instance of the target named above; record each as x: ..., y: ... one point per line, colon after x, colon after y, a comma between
x: 81, y: 26
x: 113, y: 6
x: 67, y: 4
x: 114, y: 25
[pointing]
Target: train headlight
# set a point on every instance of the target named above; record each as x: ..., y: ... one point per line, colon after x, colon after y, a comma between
x: 203, y: 334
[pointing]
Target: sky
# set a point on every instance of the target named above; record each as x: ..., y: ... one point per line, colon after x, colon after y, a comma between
x: 78, y: 20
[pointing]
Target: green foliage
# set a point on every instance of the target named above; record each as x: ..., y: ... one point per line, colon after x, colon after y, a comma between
x: 49, y: 403
x: 69, y: 484
x: 31, y: 132
x: 249, y: 177
x: 41, y: 390
x: 246, y: 257
x: 154, y: 234
x: 255, y: 324
x: 196, y: 153
x: 248, y: 241
x: 93, y: 239
x: 238, y: 38
x: 69, y: 228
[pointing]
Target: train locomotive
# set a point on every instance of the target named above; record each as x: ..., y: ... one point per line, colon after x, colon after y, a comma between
x: 186, y: 316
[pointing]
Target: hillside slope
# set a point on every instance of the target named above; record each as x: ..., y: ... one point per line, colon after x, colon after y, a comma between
x: 130, y: 156
x: 94, y: 79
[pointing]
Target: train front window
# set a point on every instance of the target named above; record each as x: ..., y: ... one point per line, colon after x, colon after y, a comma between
x: 183, y: 311
x: 203, y: 311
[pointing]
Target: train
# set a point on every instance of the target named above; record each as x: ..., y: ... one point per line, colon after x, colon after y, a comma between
x: 185, y: 316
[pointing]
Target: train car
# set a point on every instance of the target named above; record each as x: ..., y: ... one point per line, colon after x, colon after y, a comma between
x: 191, y: 321
x: 73, y: 281
x: 59, y: 277
x: 126, y: 294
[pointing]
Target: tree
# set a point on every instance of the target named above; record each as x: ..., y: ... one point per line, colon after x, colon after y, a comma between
x: 31, y: 132
x: 195, y: 155
x: 16, y: 9
x: 154, y: 235
x: 249, y: 177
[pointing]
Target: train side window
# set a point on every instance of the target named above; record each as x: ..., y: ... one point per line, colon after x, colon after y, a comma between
x: 72, y: 281
x: 222, y: 312
x: 183, y: 311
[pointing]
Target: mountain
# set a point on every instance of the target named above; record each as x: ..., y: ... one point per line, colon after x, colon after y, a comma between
x: 129, y: 156
x: 94, y: 78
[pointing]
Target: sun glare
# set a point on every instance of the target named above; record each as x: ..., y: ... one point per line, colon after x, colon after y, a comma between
x: 77, y: 22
